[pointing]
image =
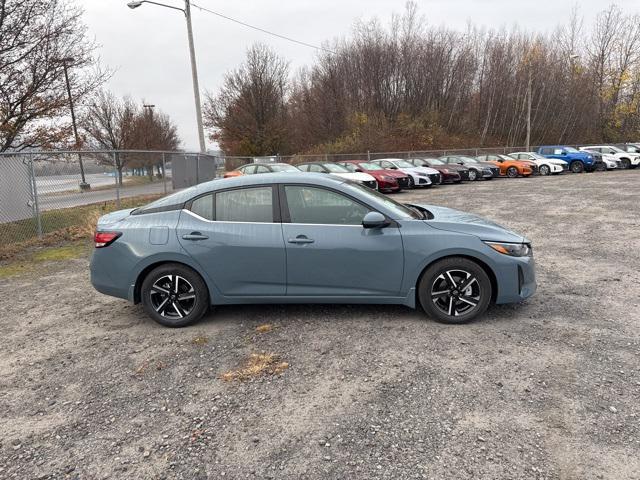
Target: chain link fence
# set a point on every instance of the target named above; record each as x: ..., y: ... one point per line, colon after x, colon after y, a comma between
x: 62, y: 193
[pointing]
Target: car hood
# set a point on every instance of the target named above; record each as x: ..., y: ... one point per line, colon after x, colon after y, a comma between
x: 355, y: 176
x: 463, y: 222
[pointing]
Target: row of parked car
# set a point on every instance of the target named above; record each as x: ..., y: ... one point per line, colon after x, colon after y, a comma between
x: 394, y: 174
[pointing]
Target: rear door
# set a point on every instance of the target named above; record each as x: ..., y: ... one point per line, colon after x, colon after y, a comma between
x: 236, y: 237
x: 329, y: 253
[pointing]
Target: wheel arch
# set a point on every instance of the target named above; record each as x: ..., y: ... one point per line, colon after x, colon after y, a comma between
x: 487, y: 269
x: 137, y: 297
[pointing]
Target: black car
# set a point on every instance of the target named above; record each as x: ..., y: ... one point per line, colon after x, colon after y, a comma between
x: 477, y: 169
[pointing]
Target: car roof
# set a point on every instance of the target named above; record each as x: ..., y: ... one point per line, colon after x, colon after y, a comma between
x: 321, y: 179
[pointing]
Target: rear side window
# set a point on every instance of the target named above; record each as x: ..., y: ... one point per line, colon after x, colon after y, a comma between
x: 244, y: 205
x: 316, y: 168
x: 545, y: 151
x: 203, y: 206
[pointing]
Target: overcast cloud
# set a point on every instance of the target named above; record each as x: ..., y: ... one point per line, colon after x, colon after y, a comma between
x: 148, y: 46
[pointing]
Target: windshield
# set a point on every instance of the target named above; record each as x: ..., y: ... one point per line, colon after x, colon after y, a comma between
x: 435, y: 161
x: 403, y: 164
x: 283, y: 167
x: 616, y: 149
x: 335, y: 168
x: 402, y: 211
x: 370, y: 166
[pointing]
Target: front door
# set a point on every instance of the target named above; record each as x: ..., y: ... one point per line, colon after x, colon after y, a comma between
x: 236, y: 238
x: 329, y: 253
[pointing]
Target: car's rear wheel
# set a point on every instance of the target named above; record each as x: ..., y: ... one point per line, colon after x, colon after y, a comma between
x: 454, y: 290
x: 544, y: 170
x: 576, y: 167
x: 174, y: 295
x: 473, y: 175
x: 512, y: 172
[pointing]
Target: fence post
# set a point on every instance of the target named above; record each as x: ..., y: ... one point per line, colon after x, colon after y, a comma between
x: 164, y: 173
x: 116, y: 172
x: 197, y: 167
x: 36, y: 206
x: 368, y: 156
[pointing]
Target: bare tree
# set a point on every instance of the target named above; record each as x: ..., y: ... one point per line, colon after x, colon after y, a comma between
x: 248, y: 116
x: 35, y: 38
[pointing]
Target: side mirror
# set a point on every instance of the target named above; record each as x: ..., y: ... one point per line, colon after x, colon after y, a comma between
x: 393, y: 167
x: 358, y: 170
x: 374, y: 220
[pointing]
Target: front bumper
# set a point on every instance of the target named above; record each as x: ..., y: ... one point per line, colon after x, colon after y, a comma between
x: 517, y: 280
x: 452, y: 177
x: 371, y: 184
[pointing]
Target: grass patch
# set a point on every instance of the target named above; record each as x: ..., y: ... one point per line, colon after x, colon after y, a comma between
x: 257, y: 364
x: 30, y: 262
x: 265, y: 328
x: 59, y: 226
x: 200, y: 340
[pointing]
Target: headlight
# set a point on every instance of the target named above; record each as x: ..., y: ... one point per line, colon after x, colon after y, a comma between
x: 445, y: 170
x: 387, y: 179
x: 420, y: 174
x: 512, y: 249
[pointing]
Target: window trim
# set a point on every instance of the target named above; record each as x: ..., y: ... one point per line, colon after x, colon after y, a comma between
x: 275, y: 202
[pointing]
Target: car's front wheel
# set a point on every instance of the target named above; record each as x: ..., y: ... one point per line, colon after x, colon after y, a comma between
x: 454, y: 290
x: 412, y: 183
x: 473, y: 175
x: 544, y: 170
x: 626, y: 163
x: 174, y: 295
x: 512, y: 172
x: 577, y: 166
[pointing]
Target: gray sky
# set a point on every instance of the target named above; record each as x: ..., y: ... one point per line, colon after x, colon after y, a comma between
x: 148, y: 46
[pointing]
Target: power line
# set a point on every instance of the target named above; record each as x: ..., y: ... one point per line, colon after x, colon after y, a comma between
x: 263, y: 30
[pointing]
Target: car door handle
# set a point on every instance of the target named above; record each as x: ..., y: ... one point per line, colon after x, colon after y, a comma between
x: 301, y: 239
x: 194, y: 236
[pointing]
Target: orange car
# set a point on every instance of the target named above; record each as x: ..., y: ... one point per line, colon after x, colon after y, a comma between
x: 232, y: 173
x: 510, y: 167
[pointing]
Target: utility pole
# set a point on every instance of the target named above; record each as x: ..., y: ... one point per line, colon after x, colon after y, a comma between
x: 194, y: 77
x: 529, y: 110
x: 83, y: 182
x: 192, y: 55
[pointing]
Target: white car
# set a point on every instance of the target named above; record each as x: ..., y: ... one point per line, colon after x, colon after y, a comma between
x: 627, y: 159
x: 546, y: 166
x: 418, y: 176
x: 336, y: 169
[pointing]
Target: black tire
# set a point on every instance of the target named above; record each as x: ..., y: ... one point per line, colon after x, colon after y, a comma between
x: 576, y: 166
x: 411, y: 183
x: 626, y: 163
x: 473, y: 175
x: 512, y: 172
x: 601, y: 167
x: 451, y: 274
x: 544, y: 170
x: 174, y: 304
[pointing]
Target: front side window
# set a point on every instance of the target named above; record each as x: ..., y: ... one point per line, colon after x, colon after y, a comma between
x: 262, y: 169
x: 244, y: 205
x: 321, y: 206
x: 315, y: 168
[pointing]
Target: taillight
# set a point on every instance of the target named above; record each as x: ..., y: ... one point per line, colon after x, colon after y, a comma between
x: 104, y: 239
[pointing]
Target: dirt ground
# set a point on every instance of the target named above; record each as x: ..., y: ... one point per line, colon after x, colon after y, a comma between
x: 548, y: 389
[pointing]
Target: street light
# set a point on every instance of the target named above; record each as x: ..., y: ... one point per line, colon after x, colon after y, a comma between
x: 83, y: 182
x: 192, y: 54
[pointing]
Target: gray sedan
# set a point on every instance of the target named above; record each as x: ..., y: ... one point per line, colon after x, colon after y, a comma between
x: 305, y: 238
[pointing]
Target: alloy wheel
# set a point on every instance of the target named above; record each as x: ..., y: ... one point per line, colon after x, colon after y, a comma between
x: 172, y: 296
x: 512, y: 172
x: 473, y: 175
x: 455, y: 292
x: 544, y: 170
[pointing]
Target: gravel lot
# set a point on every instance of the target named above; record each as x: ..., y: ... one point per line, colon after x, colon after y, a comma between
x: 549, y: 389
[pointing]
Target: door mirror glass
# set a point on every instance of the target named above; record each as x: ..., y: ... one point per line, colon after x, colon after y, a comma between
x: 374, y: 220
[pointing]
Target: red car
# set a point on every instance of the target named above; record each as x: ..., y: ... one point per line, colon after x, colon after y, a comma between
x: 388, y: 180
